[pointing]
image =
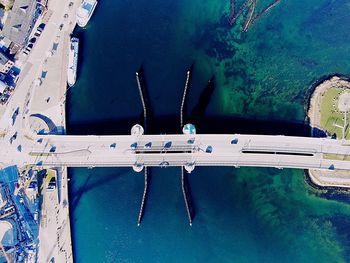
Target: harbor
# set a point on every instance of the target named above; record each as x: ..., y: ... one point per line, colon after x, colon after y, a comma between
x: 240, y: 213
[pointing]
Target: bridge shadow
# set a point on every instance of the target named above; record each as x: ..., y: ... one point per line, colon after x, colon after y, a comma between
x: 91, y: 183
x: 205, y: 125
x: 200, y: 108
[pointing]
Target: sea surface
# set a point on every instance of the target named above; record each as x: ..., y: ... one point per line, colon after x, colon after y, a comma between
x: 262, y: 82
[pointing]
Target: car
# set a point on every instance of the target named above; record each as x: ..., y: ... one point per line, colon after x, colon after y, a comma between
x: 32, y: 40
x: 209, y: 149
x: 52, y: 149
x: 41, y: 26
x: 37, y: 33
x: 30, y: 46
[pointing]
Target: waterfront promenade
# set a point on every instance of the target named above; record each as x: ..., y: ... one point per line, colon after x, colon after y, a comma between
x: 31, y: 97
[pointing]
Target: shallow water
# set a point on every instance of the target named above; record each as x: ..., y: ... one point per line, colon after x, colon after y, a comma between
x: 242, y: 215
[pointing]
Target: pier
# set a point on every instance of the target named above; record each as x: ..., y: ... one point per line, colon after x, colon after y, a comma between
x: 186, y: 199
x: 144, y: 196
x: 184, y: 98
x: 142, y: 99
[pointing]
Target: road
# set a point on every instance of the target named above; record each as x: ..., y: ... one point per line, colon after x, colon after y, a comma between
x: 176, y: 150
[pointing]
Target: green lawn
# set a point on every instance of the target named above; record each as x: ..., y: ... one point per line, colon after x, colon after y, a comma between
x: 330, y: 116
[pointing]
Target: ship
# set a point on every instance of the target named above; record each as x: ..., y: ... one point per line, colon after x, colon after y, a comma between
x: 72, y: 61
x: 85, y: 11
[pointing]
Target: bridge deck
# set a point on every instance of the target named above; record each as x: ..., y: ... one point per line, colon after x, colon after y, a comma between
x: 180, y: 150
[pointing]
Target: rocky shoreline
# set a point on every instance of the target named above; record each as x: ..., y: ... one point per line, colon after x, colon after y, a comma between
x: 325, y: 179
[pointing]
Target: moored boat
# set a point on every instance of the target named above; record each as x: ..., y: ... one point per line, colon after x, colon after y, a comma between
x: 84, y: 12
x: 73, y: 61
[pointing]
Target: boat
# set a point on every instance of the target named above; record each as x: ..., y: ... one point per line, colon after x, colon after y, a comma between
x: 72, y: 61
x: 84, y: 12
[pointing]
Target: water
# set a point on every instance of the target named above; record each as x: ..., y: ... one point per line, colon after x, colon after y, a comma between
x: 262, y: 81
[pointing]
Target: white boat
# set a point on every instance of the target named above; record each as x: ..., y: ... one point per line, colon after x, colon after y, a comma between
x: 73, y: 61
x: 84, y: 12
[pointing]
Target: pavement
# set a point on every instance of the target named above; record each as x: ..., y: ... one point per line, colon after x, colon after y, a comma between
x: 30, y: 98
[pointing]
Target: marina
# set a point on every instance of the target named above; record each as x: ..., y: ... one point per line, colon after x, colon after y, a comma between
x: 250, y: 114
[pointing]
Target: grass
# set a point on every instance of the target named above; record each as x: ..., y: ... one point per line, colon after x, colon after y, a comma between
x: 331, y: 156
x: 330, y: 116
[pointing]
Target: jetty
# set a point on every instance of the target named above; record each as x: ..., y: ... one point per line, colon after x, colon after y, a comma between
x: 186, y: 199
x: 142, y: 98
x: 144, y: 196
x: 184, y: 98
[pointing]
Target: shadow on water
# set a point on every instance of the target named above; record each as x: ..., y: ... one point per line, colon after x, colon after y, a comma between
x: 185, y: 118
x: 145, y: 92
x: 198, y: 111
x: 204, y: 125
x: 90, y: 184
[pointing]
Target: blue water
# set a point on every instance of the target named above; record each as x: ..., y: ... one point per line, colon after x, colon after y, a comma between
x: 262, y: 82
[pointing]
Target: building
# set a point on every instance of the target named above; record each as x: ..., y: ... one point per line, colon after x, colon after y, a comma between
x: 5, y: 63
x: 7, y: 3
x: 19, y: 23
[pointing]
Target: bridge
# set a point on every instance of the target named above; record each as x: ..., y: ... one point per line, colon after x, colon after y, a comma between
x: 188, y: 150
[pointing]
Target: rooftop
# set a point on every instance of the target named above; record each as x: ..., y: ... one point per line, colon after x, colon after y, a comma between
x: 19, y: 21
x: 3, y: 59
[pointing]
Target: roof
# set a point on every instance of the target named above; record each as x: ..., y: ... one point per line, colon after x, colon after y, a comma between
x: 2, y: 86
x: 18, y: 24
x: 3, y: 59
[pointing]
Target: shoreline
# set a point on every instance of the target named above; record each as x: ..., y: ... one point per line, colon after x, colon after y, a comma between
x: 325, y: 179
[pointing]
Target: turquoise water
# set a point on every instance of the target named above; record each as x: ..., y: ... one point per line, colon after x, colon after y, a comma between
x: 242, y: 215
